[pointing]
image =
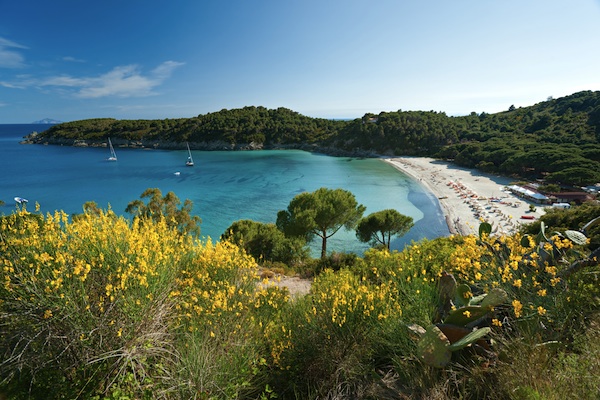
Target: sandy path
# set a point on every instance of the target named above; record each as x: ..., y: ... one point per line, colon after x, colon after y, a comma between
x: 468, y: 196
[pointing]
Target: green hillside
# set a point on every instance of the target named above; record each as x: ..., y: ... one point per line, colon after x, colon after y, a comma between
x: 557, y: 139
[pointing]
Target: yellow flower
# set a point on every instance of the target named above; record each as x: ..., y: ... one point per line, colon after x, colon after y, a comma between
x: 541, y: 310
x: 496, y: 322
x: 47, y: 314
x: 517, y: 283
x: 518, y: 308
x: 467, y: 314
x: 541, y: 292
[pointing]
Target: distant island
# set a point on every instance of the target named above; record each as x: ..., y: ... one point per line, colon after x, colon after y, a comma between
x: 47, y: 121
x: 557, y: 140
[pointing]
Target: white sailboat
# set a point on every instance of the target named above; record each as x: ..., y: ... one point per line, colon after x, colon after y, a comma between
x: 190, y: 160
x: 113, y: 155
x: 20, y: 200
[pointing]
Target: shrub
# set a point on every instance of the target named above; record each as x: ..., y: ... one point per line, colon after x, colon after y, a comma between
x: 326, y: 339
x: 102, y: 306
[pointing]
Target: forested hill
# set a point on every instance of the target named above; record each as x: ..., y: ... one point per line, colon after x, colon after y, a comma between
x: 223, y: 129
x: 558, y: 139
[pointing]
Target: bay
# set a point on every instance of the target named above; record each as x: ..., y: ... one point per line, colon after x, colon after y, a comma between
x: 224, y: 186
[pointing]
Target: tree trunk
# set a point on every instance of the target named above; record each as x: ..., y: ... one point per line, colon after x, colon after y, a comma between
x: 324, y: 246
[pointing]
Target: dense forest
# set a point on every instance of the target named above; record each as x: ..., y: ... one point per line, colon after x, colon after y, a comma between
x: 557, y: 139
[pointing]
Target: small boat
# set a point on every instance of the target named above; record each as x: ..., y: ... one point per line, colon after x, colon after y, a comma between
x: 21, y: 200
x: 113, y: 155
x: 190, y: 160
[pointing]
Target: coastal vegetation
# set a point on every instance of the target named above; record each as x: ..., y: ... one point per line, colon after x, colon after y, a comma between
x: 100, y: 306
x: 557, y: 140
x: 380, y: 227
x: 103, y: 307
x: 166, y: 207
x: 321, y: 213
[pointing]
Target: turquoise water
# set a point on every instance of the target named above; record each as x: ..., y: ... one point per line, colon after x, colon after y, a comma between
x: 224, y: 186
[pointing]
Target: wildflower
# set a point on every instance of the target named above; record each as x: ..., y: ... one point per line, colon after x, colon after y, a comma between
x: 47, y: 314
x: 496, y: 322
x: 518, y: 308
x: 467, y: 314
x: 541, y: 292
x: 517, y: 283
x: 541, y: 310
x: 119, y: 332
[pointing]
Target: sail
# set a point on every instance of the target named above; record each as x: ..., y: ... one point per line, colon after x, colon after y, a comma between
x: 113, y: 155
x: 190, y: 160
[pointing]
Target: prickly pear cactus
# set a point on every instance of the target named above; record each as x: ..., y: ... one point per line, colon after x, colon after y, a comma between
x: 476, y: 307
x: 433, y: 348
x: 494, y: 298
x: 469, y: 339
x: 485, y: 228
x: 465, y: 315
x: 576, y: 237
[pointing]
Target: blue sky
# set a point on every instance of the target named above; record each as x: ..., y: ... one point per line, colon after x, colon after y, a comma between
x: 154, y: 59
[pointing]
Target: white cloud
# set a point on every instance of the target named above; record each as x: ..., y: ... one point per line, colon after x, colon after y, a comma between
x: 73, y: 59
x: 10, y: 58
x: 11, y: 85
x: 64, y: 81
x: 122, y: 81
x: 164, y: 70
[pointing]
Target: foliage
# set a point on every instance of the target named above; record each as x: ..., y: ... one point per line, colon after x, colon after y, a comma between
x: 102, y: 307
x: 320, y: 344
x: 574, y: 218
x: 265, y: 242
x: 336, y: 261
x: 557, y: 139
x: 83, y: 303
x: 381, y: 226
x: 321, y: 213
x: 159, y: 207
x: 401, y: 132
x: 238, y: 126
x: 462, y: 322
x: 544, y: 370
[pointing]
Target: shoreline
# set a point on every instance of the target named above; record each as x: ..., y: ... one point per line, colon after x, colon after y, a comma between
x: 468, y: 197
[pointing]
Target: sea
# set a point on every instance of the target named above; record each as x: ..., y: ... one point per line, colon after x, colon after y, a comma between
x: 224, y: 186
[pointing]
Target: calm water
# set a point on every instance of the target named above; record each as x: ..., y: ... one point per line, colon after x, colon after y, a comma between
x: 224, y: 186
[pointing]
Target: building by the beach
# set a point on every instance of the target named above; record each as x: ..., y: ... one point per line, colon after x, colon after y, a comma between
x: 529, y: 194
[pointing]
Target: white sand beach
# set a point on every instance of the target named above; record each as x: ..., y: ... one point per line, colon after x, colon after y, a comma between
x: 468, y: 196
